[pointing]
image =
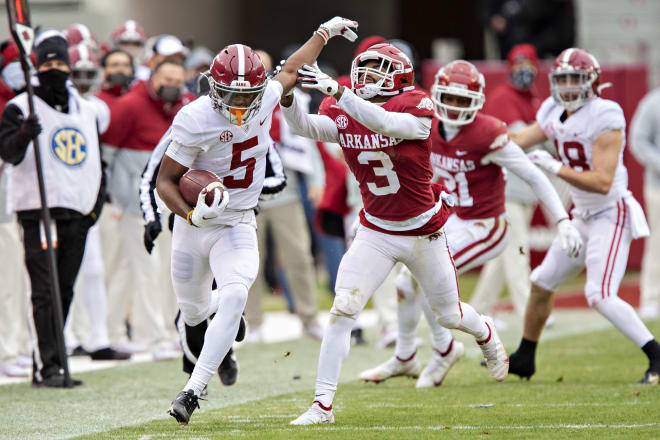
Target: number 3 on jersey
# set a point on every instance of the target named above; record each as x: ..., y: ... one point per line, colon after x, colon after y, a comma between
x: 386, y: 170
x: 238, y: 162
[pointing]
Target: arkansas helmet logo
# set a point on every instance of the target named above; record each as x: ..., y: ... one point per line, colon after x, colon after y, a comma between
x: 226, y: 136
x: 425, y: 103
x: 341, y: 121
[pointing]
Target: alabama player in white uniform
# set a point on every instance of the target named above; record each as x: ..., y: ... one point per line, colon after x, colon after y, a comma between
x: 469, y: 154
x: 589, y: 133
x: 227, y: 133
x: 383, y: 126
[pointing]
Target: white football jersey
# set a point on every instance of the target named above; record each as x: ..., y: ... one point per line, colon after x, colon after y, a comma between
x: 574, y: 139
x: 203, y: 139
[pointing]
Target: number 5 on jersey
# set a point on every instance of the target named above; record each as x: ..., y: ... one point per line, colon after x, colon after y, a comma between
x: 386, y: 170
x: 237, y: 162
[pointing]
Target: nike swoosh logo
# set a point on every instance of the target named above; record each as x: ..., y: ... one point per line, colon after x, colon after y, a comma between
x: 262, y: 122
x: 461, y: 153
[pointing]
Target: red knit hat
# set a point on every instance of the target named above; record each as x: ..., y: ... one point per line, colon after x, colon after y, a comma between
x: 521, y: 52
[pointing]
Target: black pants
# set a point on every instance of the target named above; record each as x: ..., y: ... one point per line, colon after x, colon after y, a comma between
x: 71, y: 236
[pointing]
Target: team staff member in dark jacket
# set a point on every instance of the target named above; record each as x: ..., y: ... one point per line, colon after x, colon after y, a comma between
x: 66, y: 126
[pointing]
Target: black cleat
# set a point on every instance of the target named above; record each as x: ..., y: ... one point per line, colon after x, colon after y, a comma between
x: 183, y: 406
x: 228, y: 369
x: 57, y: 381
x: 79, y: 351
x: 109, y: 354
x: 650, y: 378
x: 521, y: 365
x: 241, y: 329
x: 356, y: 337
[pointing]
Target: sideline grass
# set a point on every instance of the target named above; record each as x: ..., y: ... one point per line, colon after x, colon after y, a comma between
x: 584, y: 388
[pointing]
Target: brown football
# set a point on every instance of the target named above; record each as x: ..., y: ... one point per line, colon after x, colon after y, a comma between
x: 194, y: 181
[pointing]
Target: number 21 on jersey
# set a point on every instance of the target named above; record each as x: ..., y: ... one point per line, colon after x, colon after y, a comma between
x: 458, y: 185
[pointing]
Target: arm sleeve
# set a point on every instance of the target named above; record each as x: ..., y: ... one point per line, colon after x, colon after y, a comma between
x: 148, y: 202
x: 645, y: 134
x: 12, y: 145
x: 275, y: 180
x: 394, y: 124
x: 317, y: 127
x: 512, y: 158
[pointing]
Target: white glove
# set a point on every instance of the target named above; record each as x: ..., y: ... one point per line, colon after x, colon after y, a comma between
x: 447, y: 199
x: 204, y: 215
x: 311, y: 77
x: 338, y: 26
x: 571, y: 241
x: 545, y: 161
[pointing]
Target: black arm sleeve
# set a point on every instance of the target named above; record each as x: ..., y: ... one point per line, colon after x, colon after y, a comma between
x: 12, y: 144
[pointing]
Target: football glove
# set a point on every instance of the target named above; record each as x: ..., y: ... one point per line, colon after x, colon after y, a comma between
x: 338, y: 26
x: 311, y: 77
x: 571, y: 241
x: 545, y: 161
x: 204, y: 215
x: 151, y: 231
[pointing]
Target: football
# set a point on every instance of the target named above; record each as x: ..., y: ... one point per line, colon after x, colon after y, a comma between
x: 194, y: 181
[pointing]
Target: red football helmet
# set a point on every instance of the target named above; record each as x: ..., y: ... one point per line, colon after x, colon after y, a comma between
x: 574, y: 78
x: 85, y: 67
x: 392, y: 76
x: 458, y: 78
x: 129, y: 32
x: 80, y: 34
x: 237, y: 79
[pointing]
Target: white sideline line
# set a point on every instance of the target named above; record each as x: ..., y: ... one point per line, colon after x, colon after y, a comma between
x: 466, y: 427
x: 516, y: 405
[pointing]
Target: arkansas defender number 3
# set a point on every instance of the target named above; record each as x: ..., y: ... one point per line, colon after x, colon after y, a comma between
x: 386, y: 170
x: 238, y: 162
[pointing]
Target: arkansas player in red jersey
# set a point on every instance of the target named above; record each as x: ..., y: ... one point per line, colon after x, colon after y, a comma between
x: 469, y: 152
x: 383, y: 126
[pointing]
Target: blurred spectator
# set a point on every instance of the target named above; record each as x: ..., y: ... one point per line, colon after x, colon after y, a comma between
x: 85, y: 67
x: 645, y: 145
x: 284, y: 218
x: 164, y: 48
x: 129, y: 37
x: 139, y: 120
x: 548, y: 25
x: 14, y: 333
x: 198, y: 61
x: 118, y: 74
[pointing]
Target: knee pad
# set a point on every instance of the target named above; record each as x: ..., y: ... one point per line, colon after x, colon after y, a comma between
x: 192, y: 314
x: 233, y: 297
x: 348, y: 302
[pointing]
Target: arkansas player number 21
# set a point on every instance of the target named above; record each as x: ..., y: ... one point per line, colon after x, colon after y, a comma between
x: 458, y: 185
x: 386, y: 170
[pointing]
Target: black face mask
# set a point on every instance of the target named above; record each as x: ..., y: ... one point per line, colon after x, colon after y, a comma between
x: 52, y: 88
x: 523, y: 77
x: 119, y: 80
x: 169, y: 94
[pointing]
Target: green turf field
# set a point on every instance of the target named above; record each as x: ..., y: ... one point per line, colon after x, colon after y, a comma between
x: 583, y: 389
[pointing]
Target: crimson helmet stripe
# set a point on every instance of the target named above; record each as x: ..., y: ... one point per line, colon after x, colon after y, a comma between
x: 130, y: 26
x: 567, y: 55
x: 84, y: 53
x: 85, y: 33
x: 241, y: 59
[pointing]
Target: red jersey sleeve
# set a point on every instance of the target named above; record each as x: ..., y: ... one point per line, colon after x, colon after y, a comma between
x: 275, y: 125
x: 495, y: 134
x: 415, y: 102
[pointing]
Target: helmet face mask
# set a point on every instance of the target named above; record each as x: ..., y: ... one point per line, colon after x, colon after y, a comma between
x: 574, y: 79
x: 457, y: 93
x: 237, y: 80
x: 381, y: 70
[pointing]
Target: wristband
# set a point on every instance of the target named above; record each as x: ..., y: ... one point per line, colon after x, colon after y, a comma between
x: 323, y: 34
x: 188, y: 217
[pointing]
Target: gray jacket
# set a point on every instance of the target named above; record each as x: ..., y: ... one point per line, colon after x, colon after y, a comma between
x: 645, y: 136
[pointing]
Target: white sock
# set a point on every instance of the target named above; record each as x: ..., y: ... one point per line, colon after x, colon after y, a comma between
x: 440, y: 336
x: 334, y: 349
x: 219, y: 336
x: 408, y: 315
x: 95, y: 301
x: 623, y: 317
x: 473, y: 323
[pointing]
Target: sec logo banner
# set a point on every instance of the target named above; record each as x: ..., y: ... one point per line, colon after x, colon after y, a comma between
x: 69, y: 146
x: 341, y: 121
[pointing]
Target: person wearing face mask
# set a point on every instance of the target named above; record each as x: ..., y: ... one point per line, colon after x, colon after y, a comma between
x: 66, y: 127
x: 139, y: 119
x: 118, y: 75
x: 515, y: 102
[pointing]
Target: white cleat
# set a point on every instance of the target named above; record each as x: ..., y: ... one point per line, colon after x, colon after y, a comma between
x: 497, y: 361
x: 437, y: 369
x: 315, y: 416
x: 393, y: 367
